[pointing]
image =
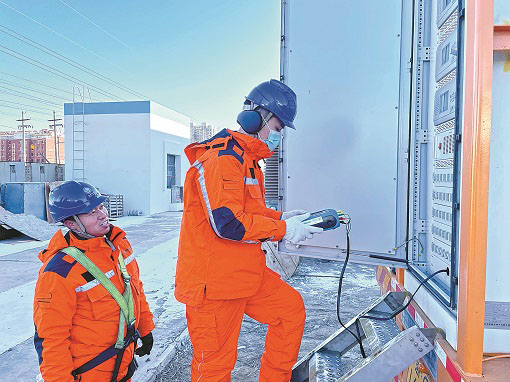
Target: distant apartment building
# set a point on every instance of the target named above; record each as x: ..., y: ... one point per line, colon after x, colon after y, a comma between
x: 201, y: 132
x: 39, y: 147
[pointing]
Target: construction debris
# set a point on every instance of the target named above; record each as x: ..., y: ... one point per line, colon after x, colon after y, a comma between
x: 28, y: 225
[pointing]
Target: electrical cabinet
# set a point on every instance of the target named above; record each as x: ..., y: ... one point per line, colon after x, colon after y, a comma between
x: 434, y: 137
x: 343, y: 153
x: 380, y: 134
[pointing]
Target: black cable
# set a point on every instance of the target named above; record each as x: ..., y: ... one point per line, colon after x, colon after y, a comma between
x: 404, y: 307
x: 385, y: 318
x: 347, y: 254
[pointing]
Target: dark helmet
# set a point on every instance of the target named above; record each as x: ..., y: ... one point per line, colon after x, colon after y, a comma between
x: 73, y: 198
x: 276, y: 97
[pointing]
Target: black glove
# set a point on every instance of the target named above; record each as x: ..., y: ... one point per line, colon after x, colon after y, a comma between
x: 146, y: 347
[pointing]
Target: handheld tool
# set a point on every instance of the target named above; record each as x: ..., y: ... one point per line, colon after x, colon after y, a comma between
x: 327, y: 219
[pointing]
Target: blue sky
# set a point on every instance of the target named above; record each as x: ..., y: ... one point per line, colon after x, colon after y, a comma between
x: 197, y: 57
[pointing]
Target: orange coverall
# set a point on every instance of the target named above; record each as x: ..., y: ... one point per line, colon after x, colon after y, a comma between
x: 221, y: 269
x: 75, y: 317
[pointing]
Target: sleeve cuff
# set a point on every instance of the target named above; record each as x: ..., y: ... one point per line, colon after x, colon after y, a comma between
x: 146, y: 329
x: 276, y: 215
x: 280, y: 230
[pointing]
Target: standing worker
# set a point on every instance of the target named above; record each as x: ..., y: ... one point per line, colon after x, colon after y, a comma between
x: 89, y: 305
x: 221, y: 268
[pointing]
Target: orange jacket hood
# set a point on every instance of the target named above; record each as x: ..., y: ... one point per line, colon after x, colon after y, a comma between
x: 59, y: 241
x: 254, y: 147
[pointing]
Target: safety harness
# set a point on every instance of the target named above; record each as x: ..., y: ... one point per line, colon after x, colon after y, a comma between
x: 127, y: 315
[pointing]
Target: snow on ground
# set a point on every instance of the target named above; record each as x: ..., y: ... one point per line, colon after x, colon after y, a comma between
x: 157, y: 270
x: 18, y: 244
x: 126, y: 221
x: 155, y: 244
x: 16, y: 313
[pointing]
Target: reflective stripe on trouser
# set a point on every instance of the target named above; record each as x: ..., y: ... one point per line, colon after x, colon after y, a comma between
x: 214, y: 328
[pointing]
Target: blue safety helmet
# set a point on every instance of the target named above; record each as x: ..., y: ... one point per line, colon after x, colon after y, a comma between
x: 275, y: 97
x: 73, y: 198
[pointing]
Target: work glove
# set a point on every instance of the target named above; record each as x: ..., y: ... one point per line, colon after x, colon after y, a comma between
x: 289, y: 214
x: 146, y: 347
x: 298, y: 231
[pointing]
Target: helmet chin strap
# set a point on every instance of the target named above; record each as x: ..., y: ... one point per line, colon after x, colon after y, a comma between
x: 265, y: 120
x: 83, y: 232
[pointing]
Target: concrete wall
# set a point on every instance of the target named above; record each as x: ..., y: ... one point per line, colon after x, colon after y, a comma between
x: 169, y: 135
x: 49, y: 174
x: 125, y: 150
x: 115, y: 156
x: 161, y: 145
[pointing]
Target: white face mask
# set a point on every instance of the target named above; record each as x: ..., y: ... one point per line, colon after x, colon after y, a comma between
x: 273, y: 140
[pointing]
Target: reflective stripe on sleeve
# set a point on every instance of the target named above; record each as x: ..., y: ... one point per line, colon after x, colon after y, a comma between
x: 251, y: 181
x: 93, y: 283
x: 205, y: 195
x: 129, y: 259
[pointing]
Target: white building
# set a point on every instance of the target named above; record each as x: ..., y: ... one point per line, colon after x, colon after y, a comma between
x: 135, y: 149
x: 201, y: 132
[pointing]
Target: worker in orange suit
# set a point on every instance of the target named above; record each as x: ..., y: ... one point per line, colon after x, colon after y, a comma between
x: 221, y: 269
x: 77, y: 320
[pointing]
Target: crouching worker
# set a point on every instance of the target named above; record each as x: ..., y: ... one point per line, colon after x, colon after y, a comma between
x: 89, y: 306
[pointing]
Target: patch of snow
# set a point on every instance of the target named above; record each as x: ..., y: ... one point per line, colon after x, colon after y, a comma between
x: 16, y: 306
x: 126, y: 221
x: 10, y: 246
x: 157, y: 272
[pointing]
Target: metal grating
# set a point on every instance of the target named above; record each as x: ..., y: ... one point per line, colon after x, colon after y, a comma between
x: 115, y: 205
x: 449, y: 125
x: 447, y: 28
x: 271, y: 176
x: 446, y: 79
x: 444, y: 163
x: 28, y: 172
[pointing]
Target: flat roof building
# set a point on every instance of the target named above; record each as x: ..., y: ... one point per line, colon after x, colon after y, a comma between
x: 134, y: 149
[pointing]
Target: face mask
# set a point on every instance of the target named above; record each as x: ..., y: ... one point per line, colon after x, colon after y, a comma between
x: 273, y: 140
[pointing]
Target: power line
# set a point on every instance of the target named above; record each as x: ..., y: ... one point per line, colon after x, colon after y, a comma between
x: 24, y: 104
x: 97, y: 26
x: 54, y: 71
x: 15, y: 115
x: 19, y: 94
x: 68, y: 61
x: 34, y: 82
x: 35, y: 90
x: 64, y: 37
x: 39, y: 83
x: 24, y: 108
